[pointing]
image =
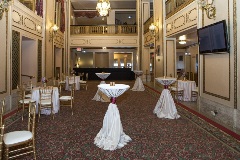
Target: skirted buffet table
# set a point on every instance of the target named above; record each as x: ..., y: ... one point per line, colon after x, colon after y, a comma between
x: 116, y: 73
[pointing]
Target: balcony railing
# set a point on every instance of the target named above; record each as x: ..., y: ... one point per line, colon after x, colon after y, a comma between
x: 173, y: 6
x: 105, y: 29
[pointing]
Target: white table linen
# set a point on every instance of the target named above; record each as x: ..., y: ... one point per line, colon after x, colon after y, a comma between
x: 71, y: 81
x: 138, y: 85
x: 165, y: 107
x: 187, y: 87
x: 55, y: 100
x: 111, y: 135
x: 100, y: 96
x: 103, y: 75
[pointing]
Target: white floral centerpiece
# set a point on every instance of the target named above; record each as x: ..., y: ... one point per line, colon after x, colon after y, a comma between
x: 44, y: 81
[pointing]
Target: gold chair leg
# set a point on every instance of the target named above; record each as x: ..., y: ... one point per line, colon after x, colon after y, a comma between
x: 7, y: 152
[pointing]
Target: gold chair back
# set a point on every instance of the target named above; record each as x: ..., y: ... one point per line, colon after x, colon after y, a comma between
x: 16, y: 143
x: 45, y: 100
x: 2, y: 109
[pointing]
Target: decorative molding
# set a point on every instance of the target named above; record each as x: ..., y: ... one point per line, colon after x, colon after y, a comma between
x: 235, y: 58
x: 131, y: 41
x: 204, y: 82
x: 189, y: 14
x: 16, y: 17
x: 235, y: 42
x: 176, y: 10
x: 25, y: 19
x: 28, y: 23
x: 184, y: 19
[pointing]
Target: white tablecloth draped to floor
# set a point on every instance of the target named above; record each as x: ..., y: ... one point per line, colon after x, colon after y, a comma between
x: 165, y: 107
x: 100, y: 96
x: 71, y: 81
x: 138, y: 85
x: 187, y: 87
x: 111, y: 135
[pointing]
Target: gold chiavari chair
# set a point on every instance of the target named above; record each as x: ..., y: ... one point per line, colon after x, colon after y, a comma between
x: 194, y: 94
x: 23, y: 102
x: 62, y: 81
x: 71, y: 82
x: 45, y: 100
x: 177, y: 92
x: 67, y: 101
x: 28, y: 89
x: 20, y: 143
x: 3, y: 106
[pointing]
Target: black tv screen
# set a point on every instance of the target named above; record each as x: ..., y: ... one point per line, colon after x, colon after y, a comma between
x: 213, y: 38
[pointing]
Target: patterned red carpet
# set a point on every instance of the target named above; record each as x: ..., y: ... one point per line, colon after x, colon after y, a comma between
x: 71, y: 137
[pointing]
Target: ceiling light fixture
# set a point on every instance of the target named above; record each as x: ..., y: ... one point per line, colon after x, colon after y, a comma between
x: 182, y: 42
x: 103, y: 7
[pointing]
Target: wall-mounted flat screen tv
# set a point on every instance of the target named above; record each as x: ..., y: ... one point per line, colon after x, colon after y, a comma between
x: 213, y: 38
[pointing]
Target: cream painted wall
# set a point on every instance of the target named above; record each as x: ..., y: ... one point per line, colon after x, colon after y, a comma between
x: 159, y: 19
x: 170, y: 57
x: 58, y: 60
x: 194, y: 52
x: 146, y: 61
x: 4, y: 60
x: 48, y: 60
x: 217, y: 70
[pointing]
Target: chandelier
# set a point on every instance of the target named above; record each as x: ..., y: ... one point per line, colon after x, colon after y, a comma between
x: 103, y: 6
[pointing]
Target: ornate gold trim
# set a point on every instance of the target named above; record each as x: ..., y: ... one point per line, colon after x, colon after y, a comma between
x: 187, y: 16
x: 184, y: 20
x: 178, y: 8
x: 34, y: 29
x: 235, y: 50
x: 209, y: 93
x: 235, y: 70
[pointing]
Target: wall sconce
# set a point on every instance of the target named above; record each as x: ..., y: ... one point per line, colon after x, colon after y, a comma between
x: 208, y: 7
x: 4, y: 7
x: 52, y: 32
x: 154, y: 30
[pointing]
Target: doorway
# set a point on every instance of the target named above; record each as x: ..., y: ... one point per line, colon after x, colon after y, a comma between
x: 29, y: 63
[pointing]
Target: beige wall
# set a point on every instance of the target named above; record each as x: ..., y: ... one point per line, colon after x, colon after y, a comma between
x: 158, y: 18
x: 49, y: 43
x: 170, y: 57
x: 217, y: 70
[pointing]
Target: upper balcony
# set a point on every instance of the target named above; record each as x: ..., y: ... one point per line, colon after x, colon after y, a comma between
x: 104, y: 30
x: 104, y: 35
x: 173, y: 6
